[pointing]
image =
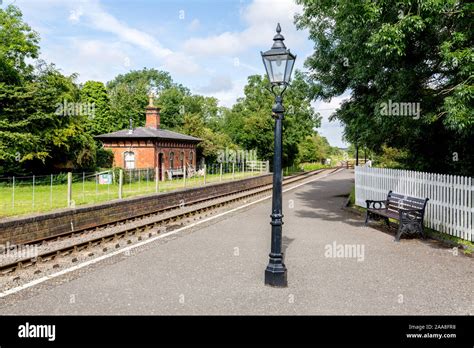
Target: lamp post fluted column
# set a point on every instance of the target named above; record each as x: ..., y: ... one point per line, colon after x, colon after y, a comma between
x: 275, y: 273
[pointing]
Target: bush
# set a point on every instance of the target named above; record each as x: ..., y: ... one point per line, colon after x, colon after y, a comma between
x: 105, y: 158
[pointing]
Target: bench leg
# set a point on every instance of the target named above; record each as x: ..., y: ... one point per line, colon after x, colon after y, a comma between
x: 387, y: 221
x: 422, y: 231
x: 366, y: 218
x: 399, y: 233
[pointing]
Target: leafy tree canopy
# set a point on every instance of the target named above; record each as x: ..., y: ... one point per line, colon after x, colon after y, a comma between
x: 250, y: 123
x: 405, y: 52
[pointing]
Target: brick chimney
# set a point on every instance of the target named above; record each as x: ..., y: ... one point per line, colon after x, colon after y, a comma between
x: 152, y: 115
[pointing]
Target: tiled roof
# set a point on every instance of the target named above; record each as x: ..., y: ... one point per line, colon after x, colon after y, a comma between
x: 147, y: 132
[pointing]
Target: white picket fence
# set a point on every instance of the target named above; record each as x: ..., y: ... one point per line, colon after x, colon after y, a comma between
x: 450, y: 207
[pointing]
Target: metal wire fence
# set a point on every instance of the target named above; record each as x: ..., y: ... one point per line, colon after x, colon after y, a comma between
x: 42, y: 193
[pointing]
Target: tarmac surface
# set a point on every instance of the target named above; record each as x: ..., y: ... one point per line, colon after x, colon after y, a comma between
x: 335, y: 266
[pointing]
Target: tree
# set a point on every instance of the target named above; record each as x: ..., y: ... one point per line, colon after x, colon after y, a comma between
x: 314, y: 148
x: 400, y: 51
x: 33, y: 135
x: 18, y: 44
x: 128, y: 96
x: 250, y: 124
x: 95, y: 93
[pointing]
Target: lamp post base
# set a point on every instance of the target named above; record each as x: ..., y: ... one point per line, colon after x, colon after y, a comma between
x: 275, y: 275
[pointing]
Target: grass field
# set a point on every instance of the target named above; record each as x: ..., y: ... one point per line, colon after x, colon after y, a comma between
x: 46, y: 197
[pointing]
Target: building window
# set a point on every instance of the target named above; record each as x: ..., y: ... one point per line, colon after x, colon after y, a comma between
x: 171, y: 160
x: 129, y: 158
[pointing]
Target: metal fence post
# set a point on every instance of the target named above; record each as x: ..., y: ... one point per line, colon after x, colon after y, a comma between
x: 233, y: 171
x: 33, y: 191
x: 205, y: 170
x: 83, y: 187
x: 220, y: 175
x: 51, y: 192
x: 157, y: 179
x: 69, y: 189
x: 13, y: 195
x: 120, y: 183
x: 184, y: 175
x: 147, y: 178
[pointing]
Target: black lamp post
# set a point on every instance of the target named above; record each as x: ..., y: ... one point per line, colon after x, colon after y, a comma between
x: 279, y: 63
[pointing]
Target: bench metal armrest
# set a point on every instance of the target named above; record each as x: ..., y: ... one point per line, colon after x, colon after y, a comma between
x: 373, y: 204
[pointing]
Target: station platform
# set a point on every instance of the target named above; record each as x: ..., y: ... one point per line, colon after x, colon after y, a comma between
x: 335, y: 264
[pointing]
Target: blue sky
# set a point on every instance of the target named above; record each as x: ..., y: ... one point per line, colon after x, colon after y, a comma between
x: 210, y: 46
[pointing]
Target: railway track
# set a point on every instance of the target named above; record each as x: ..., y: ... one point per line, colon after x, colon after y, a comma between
x: 124, y: 232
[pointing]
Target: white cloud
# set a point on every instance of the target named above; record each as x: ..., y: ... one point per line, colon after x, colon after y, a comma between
x: 104, y: 60
x: 227, y: 97
x: 261, y: 17
x: 90, y: 13
x: 75, y: 15
x: 217, y: 84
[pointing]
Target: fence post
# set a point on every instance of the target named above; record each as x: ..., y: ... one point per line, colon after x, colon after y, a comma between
x: 69, y: 189
x: 33, y: 191
x: 83, y: 188
x: 157, y: 179
x: 147, y: 178
x: 184, y: 175
x: 139, y: 180
x: 233, y: 170
x: 267, y: 165
x: 13, y: 194
x: 220, y: 171
x: 120, y: 184
x: 205, y: 170
x: 51, y: 192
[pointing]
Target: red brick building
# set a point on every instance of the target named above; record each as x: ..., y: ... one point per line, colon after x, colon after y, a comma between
x: 151, y: 146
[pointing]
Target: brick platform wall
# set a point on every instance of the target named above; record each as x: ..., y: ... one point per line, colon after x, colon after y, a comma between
x: 23, y: 229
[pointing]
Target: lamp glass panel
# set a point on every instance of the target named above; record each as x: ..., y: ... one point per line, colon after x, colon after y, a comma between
x: 276, y: 66
x: 289, y: 67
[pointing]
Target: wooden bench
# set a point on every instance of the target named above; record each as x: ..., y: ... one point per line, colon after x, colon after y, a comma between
x: 175, y: 172
x: 409, y: 211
